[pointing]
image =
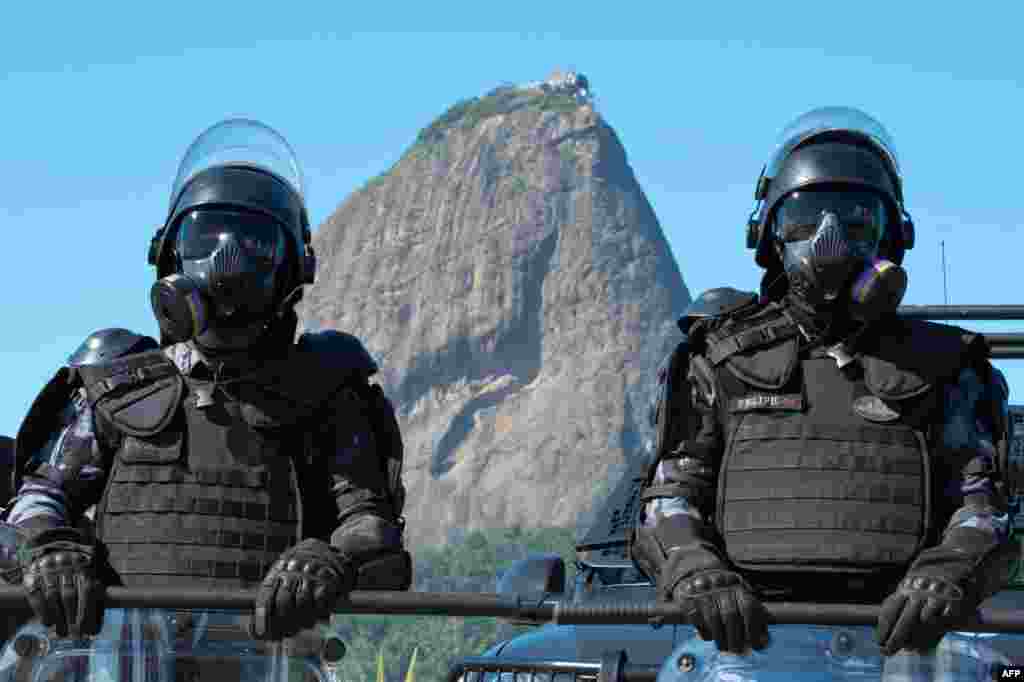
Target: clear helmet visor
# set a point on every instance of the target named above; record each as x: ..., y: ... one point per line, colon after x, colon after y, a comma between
x: 240, y: 142
x: 831, y: 120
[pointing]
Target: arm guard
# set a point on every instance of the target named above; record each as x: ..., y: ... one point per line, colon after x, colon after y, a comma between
x: 365, y: 476
x: 674, y: 536
x: 976, y: 434
x: 357, y: 450
x: 61, y: 472
x: 59, y: 469
x: 358, y: 477
x: 975, y: 550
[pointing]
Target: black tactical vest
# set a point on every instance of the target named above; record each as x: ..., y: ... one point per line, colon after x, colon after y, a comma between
x: 829, y: 469
x: 204, y: 488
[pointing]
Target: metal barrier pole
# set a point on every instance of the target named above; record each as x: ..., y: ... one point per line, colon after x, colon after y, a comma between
x: 12, y: 598
x: 961, y: 312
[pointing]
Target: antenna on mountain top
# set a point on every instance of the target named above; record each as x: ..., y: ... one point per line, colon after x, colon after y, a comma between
x: 945, y: 291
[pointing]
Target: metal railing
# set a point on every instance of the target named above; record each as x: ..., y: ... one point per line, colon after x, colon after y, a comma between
x: 613, y: 666
x: 1003, y: 346
x: 961, y: 312
x: 12, y: 599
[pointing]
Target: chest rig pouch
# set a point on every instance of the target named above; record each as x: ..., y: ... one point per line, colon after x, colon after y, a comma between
x: 200, y: 491
x: 827, y: 469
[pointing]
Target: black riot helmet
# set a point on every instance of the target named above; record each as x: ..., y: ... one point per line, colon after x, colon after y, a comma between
x: 234, y: 251
x: 839, y: 148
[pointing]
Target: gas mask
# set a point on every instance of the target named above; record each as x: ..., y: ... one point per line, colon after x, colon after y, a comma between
x: 226, y: 286
x: 828, y: 241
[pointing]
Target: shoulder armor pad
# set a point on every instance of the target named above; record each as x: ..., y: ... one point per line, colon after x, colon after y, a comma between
x: 314, y: 369
x: 912, y: 356
x: 715, y: 303
x: 108, y: 344
x: 137, y: 393
x: 338, y: 351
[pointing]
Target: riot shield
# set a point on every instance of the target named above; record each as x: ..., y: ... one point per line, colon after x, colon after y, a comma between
x: 162, y: 645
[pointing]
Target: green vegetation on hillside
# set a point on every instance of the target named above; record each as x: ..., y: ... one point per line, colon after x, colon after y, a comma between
x: 440, y: 641
x: 468, y: 113
x: 486, y: 553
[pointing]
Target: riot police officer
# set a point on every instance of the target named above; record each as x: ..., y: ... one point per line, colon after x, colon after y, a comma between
x: 811, y: 444
x: 231, y: 455
x: 65, y: 402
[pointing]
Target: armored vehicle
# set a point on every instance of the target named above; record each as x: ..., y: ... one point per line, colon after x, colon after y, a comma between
x: 674, y: 653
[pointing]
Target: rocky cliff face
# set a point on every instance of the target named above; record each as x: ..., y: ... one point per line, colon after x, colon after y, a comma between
x: 514, y: 283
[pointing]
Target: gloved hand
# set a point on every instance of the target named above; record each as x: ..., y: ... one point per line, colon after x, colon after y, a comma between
x: 723, y: 608
x: 60, y: 577
x: 943, y: 587
x: 300, y: 589
x: 918, y: 615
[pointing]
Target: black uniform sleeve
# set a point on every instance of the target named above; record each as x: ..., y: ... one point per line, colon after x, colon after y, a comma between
x: 675, y: 536
x: 976, y: 436
x: 356, y: 470
x: 975, y: 547
x: 65, y: 478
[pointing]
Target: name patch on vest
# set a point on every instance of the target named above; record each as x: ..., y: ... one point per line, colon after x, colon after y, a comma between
x: 874, y: 409
x: 767, y: 401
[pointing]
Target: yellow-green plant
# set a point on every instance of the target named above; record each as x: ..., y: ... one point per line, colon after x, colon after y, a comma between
x: 410, y: 673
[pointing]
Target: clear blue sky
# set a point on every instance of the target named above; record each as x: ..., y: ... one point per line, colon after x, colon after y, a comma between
x: 100, y: 100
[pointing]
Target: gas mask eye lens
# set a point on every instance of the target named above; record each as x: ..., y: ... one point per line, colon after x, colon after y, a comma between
x: 865, y: 222
x: 798, y: 232
x: 861, y: 214
x: 204, y: 232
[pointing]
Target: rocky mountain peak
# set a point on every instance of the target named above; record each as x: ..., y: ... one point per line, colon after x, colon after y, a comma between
x: 513, y: 281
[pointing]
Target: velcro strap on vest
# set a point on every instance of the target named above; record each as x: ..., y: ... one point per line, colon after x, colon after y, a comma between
x: 247, y: 571
x: 164, y: 500
x: 797, y: 430
x: 130, y: 531
x: 721, y: 349
x: 168, y: 474
x: 844, y: 516
x: 138, y: 375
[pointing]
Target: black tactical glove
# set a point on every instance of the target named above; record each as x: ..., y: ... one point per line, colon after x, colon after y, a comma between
x: 692, y: 571
x: 723, y: 608
x: 59, y: 575
x: 943, y: 587
x: 920, y: 612
x: 300, y: 589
